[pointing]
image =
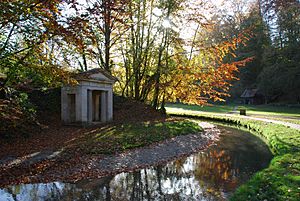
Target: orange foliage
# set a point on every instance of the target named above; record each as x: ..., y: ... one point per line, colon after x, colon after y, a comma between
x: 207, y: 76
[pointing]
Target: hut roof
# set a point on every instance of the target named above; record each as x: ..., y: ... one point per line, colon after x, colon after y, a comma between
x: 249, y: 93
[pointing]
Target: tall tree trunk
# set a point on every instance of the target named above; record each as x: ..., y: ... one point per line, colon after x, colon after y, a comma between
x: 107, y: 33
x: 158, y: 70
x: 157, y: 80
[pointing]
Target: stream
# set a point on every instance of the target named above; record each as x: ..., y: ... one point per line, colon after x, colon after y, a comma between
x: 211, y: 174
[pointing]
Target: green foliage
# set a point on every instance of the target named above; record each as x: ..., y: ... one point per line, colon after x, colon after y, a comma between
x: 29, y: 38
x: 25, y: 104
x: 280, y: 75
x: 254, y: 48
x: 127, y: 136
x: 31, y: 74
x: 17, y: 116
x: 275, y: 46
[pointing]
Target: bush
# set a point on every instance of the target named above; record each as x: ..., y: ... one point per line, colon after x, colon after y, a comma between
x: 17, y: 115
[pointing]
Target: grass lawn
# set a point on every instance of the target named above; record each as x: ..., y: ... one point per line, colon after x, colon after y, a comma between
x: 273, y: 110
x: 210, y: 109
x: 278, y: 118
x: 281, y: 180
x: 126, y: 136
x: 280, y: 113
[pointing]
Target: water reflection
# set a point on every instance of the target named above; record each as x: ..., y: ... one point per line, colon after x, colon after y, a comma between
x: 209, y: 175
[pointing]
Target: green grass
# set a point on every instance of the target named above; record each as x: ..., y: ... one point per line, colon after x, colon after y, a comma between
x: 122, y: 137
x: 210, y: 109
x: 281, y: 180
x: 278, y: 118
x: 273, y: 110
x: 280, y: 113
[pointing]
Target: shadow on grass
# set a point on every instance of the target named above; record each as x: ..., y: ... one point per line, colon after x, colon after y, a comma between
x: 126, y: 136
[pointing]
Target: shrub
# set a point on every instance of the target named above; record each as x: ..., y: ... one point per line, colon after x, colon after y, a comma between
x: 17, y: 115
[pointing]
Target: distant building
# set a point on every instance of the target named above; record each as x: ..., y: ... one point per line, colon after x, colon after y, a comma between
x: 252, y: 96
x: 89, y: 102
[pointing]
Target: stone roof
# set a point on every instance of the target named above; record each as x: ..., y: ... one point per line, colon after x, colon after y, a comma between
x: 95, y: 74
x: 249, y: 93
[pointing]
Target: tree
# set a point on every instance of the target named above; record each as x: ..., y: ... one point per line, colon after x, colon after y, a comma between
x: 255, y: 47
x: 280, y: 76
x: 104, y: 20
x: 26, y: 27
x: 138, y: 40
x: 157, y: 67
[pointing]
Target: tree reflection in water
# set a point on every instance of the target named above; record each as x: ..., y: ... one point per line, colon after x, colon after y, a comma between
x: 209, y: 175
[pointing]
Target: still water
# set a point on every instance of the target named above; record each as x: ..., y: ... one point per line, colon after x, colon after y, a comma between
x: 212, y: 174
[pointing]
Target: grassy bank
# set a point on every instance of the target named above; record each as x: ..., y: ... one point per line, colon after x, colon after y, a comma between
x: 126, y: 136
x: 281, y: 180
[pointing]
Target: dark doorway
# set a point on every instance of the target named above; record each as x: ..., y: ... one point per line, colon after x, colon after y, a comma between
x: 96, y: 109
x: 72, y: 107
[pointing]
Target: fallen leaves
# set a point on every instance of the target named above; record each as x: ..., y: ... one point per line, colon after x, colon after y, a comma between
x: 56, y: 137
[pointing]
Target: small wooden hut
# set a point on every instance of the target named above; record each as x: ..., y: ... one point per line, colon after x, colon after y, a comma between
x: 252, y: 96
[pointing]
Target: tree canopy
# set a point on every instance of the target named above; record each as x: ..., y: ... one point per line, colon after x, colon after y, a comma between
x: 187, y: 50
